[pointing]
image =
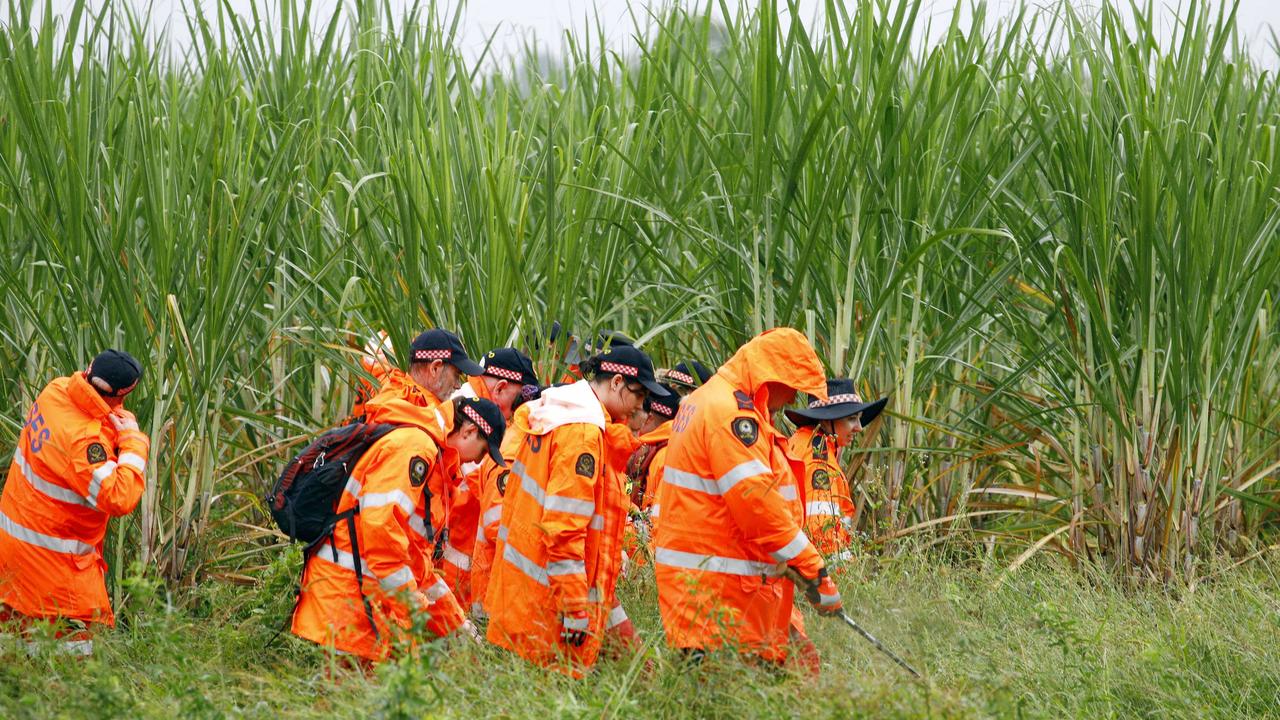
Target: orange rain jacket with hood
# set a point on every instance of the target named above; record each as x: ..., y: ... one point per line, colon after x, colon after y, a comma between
x: 731, y: 508
x: 395, y: 541
x: 72, y: 471
x: 828, y: 502
x: 559, y: 547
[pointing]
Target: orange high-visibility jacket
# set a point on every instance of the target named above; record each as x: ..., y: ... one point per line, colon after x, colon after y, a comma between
x: 559, y: 548
x: 731, y: 510
x: 656, y: 444
x: 395, y: 542
x: 492, y: 484
x: 828, y: 502
x: 646, y: 463
x: 71, y: 472
x: 461, y: 513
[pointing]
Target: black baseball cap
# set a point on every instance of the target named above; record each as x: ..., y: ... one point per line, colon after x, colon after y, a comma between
x: 118, y: 369
x: 439, y: 344
x: 510, y: 364
x: 632, y: 363
x: 842, y: 402
x: 689, y: 373
x: 664, y: 406
x: 488, y: 417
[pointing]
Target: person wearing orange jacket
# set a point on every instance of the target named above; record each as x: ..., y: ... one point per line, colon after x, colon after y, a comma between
x: 388, y: 542
x: 507, y: 371
x: 552, y: 588
x: 825, y: 428
x: 731, y: 536
x: 437, y: 363
x: 644, y: 467
x: 688, y: 376
x: 80, y: 461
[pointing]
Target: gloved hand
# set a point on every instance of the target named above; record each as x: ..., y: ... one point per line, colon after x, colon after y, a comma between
x: 573, y: 628
x: 822, y: 593
x: 123, y: 420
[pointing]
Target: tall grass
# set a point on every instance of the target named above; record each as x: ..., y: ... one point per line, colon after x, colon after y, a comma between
x: 1052, y: 238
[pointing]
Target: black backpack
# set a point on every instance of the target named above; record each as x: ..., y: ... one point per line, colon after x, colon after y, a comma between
x: 304, y: 500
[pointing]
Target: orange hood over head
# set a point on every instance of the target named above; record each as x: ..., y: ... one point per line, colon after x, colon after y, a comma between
x: 781, y: 355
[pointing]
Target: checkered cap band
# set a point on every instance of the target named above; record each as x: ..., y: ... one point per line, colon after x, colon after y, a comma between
x: 663, y: 410
x: 479, y: 421
x: 836, y: 400
x: 680, y: 377
x: 432, y: 354
x: 619, y: 368
x: 503, y: 373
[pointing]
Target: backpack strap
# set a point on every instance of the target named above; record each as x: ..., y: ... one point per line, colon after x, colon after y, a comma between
x: 359, y: 564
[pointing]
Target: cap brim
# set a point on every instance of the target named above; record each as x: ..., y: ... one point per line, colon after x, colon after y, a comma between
x: 467, y: 366
x: 655, y: 389
x: 495, y: 452
x: 867, y: 412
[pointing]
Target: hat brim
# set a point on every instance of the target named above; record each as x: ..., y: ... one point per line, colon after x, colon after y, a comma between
x: 866, y: 412
x: 466, y: 365
x: 495, y: 452
x: 654, y: 388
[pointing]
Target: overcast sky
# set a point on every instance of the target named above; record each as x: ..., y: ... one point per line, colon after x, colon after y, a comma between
x: 514, y: 20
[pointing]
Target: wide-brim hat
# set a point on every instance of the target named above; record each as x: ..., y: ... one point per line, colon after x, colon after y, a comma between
x: 842, y: 402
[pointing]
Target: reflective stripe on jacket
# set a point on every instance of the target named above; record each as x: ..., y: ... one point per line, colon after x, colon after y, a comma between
x: 731, y: 512
x: 828, y: 502
x: 395, y: 540
x: 559, y: 548
x: 493, y: 484
x: 70, y: 473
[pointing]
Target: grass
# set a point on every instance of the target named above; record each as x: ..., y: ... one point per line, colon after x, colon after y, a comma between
x: 1046, y: 642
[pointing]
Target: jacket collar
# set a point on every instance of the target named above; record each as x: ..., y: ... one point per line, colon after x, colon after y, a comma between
x: 86, y: 398
x: 576, y: 403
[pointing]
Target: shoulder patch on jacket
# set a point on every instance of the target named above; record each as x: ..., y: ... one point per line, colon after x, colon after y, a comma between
x: 96, y: 453
x: 586, y: 465
x: 821, y: 479
x: 502, y: 481
x: 819, y: 447
x: 744, y: 400
x: 418, y: 468
x: 747, y: 430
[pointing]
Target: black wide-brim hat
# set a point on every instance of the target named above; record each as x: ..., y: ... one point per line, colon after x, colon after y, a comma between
x: 842, y: 402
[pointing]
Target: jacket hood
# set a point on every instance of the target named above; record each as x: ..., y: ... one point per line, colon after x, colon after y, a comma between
x: 576, y: 403
x: 404, y: 402
x: 86, y: 398
x: 781, y: 355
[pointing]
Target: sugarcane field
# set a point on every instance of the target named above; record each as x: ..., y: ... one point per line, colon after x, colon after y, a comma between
x: 640, y: 359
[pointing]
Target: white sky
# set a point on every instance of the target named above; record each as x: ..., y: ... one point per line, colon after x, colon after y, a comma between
x: 514, y: 20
